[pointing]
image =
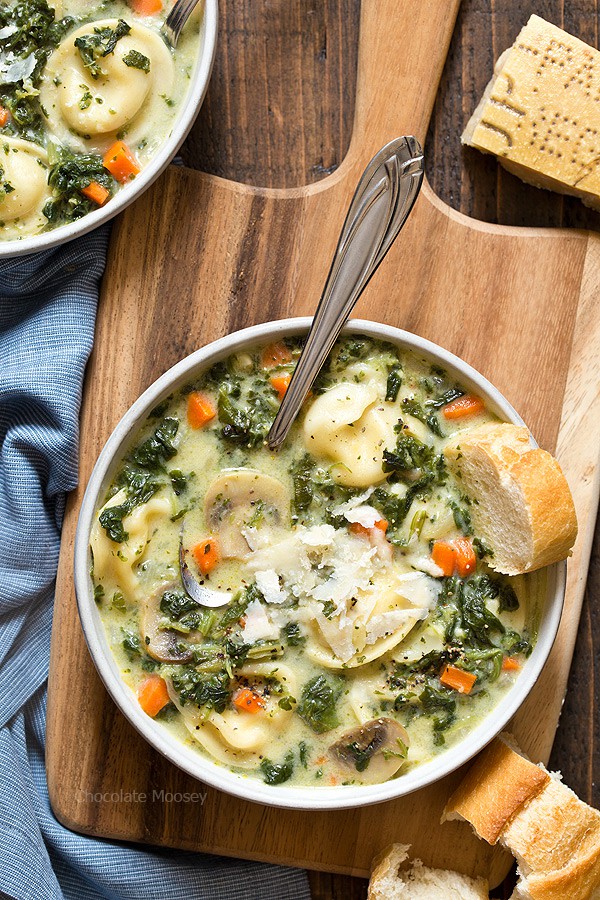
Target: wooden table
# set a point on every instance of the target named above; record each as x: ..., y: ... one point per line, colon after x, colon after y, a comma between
x: 279, y: 113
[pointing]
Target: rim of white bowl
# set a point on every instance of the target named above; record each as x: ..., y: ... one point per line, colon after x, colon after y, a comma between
x: 130, y: 192
x: 192, y: 761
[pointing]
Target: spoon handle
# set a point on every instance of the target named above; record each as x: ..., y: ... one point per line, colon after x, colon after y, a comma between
x: 383, y: 199
x: 173, y: 24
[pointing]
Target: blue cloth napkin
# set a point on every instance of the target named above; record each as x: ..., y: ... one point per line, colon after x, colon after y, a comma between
x: 47, y: 313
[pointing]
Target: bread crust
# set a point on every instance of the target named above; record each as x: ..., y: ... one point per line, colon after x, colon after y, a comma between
x: 385, y: 868
x: 526, y: 487
x: 495, y: 788
x: 578, y: 881
x: 553, y: 834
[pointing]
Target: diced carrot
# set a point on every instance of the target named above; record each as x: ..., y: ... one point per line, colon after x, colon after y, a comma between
x: 465, y: 560
x: 275, y: 355
x: 146, y: 7
x: 467, y: 405
x: 207, y: 555
x: 96, y: 193
x: 153, y: 695
x: 357, y: 528
x: 455, y: 556
x: 444, y: 556
x: 280, y: 383
x: 248, y: 701
x: 333, y: 779
x: 200, y: 409
x: 457, y: 679
x: 120, y: 162
x: 4, y: 116
x: 510, y: 664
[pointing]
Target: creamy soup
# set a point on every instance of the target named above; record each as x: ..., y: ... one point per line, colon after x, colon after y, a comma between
x: 89, y: 91
x: 363, y: 631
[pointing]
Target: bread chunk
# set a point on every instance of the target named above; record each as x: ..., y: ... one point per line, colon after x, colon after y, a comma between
x: 554, y: 836
x: 391, y: 880
x: 494, y: 790
x: 521, y: 503
x: 540, y: 113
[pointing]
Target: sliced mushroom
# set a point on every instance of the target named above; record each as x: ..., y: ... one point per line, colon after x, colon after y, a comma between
x: 162, y: 644
x: 371, y: 753
x: 239, y: 498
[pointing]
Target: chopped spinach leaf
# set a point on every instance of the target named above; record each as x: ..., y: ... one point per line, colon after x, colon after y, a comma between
x: 236, y: 609
x: 410, y: 453
x: 318, y: 703
x: 445, y: 398
x: 481, y: 549
x: 303, y: 751
x: 414, y: 408
x: 394, y: 383
x: 100, y: 43
x: 140, y: 488
x: 277, y: 773
x: 507, y: 599
x: 209, y: 691
x: 69, y: 174
x: 293, y: 634
x: 462, y: 517
x: 136, y: 60
x: 303, y: 490
x: 442, y: 706
x: 158, y: 448
x: 178, y: 480
x: 175, y: 603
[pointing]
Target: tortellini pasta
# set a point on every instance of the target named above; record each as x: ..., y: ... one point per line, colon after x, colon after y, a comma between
x: 128, y: 94
x: 378, y: 620
x: 241, y: 738
x: 115, y: 565
x: 350, y: 425
x: 23, y: 186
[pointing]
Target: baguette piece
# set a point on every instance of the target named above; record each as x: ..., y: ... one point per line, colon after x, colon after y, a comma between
x: 522, y: 506
x: 540, y: 113
x: 494, y: 789
x: 554, y: 836
x: 390, y: 880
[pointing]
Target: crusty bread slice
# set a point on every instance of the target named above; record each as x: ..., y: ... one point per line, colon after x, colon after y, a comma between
x: 521, y: 503
x: 554, y: 836
x: 556, y: 841
x: 391, y: 880
x: 494, y: 789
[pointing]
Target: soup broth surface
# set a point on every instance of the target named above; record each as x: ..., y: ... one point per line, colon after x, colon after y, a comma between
x: 348, y: 650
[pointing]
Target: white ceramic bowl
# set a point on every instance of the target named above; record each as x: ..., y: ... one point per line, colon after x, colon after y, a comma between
x: 127, y: 194
x: 337, y: 797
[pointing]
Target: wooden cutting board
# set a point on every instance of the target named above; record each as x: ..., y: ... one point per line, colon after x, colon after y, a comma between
x: 198, y: 257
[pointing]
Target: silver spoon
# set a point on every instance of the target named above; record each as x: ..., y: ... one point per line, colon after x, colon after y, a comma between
x: 383, y: 199
x: 175, y: 21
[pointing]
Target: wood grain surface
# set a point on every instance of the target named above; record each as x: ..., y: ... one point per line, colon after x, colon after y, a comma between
x: 295, y: 62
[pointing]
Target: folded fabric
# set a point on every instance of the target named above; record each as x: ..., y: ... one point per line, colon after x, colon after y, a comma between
x: 47, y: 314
